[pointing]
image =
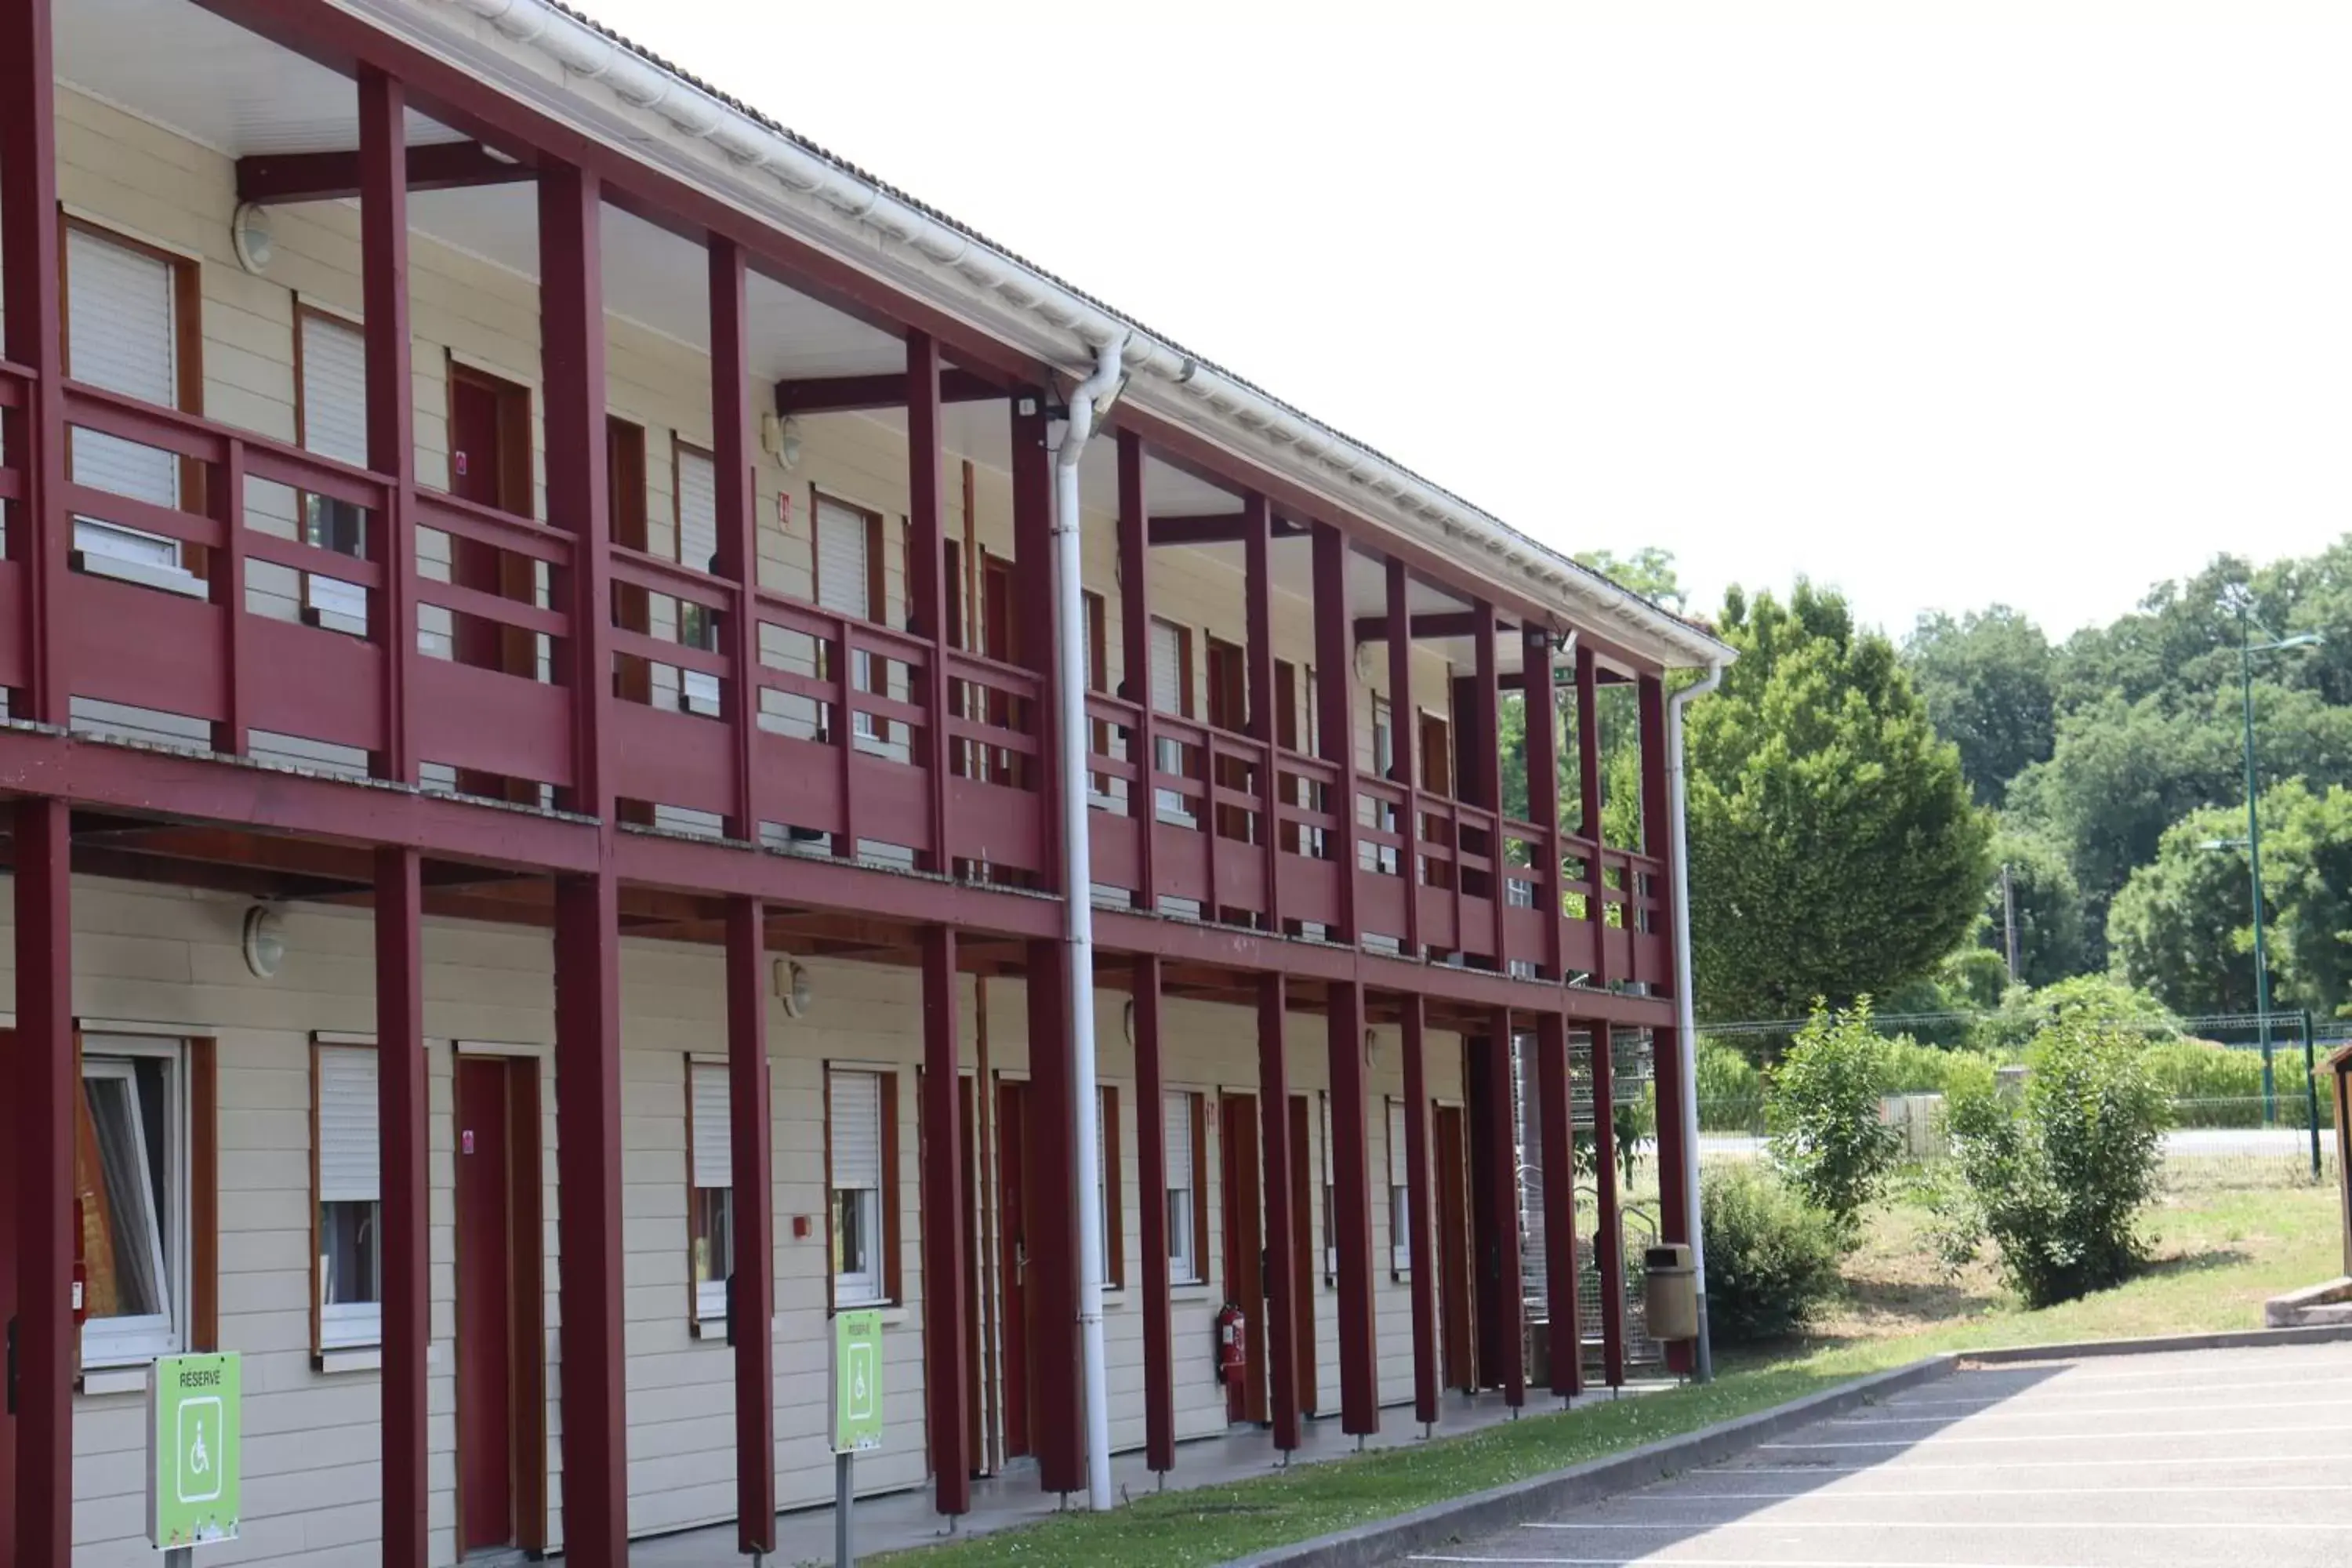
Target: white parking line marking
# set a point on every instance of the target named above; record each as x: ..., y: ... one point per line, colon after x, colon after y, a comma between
x: 2037, y: 1397
x: 1947, y: 1441
x: 2329, y: 1526
x: 1652, y: 1560
x: 1857, y: 1494
x: 2278, y: 1461
x: 2172, y: 1408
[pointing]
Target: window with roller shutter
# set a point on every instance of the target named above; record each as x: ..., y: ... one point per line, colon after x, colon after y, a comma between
x: 350, y: 1206
x: 711, y: 1178
x: 860, y: 1106
x: 698, y: 548
x: 122, y: 333
x: 1399, y: 1192
x: 1171, y: 692
x: 333, y: 415
x: 1181, y: 1116
x: 845, y: 581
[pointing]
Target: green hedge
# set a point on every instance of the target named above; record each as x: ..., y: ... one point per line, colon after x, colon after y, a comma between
x: 2221, y: 1086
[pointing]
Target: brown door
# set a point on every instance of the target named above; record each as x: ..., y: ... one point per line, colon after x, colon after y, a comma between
x: 1244, y: 1251
x: 499, y: 1389
x: 970, y: 1112
x: 1013, y: 1257
x: 1452, y: 1225
x: 491, y: 465
x: 1304, y: 1266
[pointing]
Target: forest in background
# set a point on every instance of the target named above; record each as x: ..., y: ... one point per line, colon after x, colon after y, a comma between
x: 1854, y: 799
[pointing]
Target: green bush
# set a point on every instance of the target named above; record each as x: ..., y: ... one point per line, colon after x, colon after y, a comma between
x: 1771, y: 1261
x: 1730, y: 1089
x: 2057, y: 1176
x: 1910, y: 1067
x: 2218, y: 1086
x: 1823, y: 1108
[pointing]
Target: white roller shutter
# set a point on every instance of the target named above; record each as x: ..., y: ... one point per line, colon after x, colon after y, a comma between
x: 842, y: 584
x: 698, y: 511
x: 347, y: 1125
x: 713, y: 1155
x: 1396, y: 1144
x: 334, y: 390
x: 854, y: 1104
x: 121, y: 334
x: 1177, y: 1117
x: 1166, y: 669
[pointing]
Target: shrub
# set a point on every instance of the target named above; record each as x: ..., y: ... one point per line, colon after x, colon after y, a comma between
x: 1824, y: 1111
x: 1730, y: 1089
x: 2056, y: 1178
x: 2217, y: 1086
x: 1771, y: 1261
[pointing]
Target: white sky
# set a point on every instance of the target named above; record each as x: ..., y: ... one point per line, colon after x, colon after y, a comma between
x: 1945, y: 304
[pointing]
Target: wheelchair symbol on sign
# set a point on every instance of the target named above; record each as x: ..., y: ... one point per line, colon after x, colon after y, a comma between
x: 199, y: 1480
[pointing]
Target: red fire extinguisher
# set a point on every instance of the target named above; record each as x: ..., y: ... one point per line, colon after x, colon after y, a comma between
x: 1232, y: 1341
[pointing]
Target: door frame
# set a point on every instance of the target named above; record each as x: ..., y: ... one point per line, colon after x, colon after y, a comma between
x: 1306, y: 1248
x: 526, y: 1286
x: 1016, y: 1374
x: 1450, y: 1200
x: 1240, y: 1195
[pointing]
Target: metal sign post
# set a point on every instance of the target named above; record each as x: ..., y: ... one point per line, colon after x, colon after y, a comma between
x: 194, y: 1430
x: 856, y: 1415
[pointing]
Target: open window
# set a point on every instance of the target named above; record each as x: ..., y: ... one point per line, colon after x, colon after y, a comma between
x: 1188, y: 1215
x: 698, y: 550
x: 348, y: 1259
x: 849, y: 580
x: 1172, y: 693
x: 862, y: 1157
x: 145, y: 1158
x: 711, y: 1198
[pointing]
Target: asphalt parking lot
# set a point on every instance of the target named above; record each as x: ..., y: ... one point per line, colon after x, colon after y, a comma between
x: 2227, y: 1458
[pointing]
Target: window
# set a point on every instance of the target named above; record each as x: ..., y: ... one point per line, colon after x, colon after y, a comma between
x: 710, y: 1200
x: 349, y: 1280
x: 131, y: 1187
x: 1187, y: 1217
x: 862, y: 1148
x: 848, y: 578
x: 698, y: 549
x: 1400, y: 1193
x: 330, y: 415
x: 1110, y: 1188
x: 1331, y: 1193
x: 1171, y: 692
x: 130, y: 311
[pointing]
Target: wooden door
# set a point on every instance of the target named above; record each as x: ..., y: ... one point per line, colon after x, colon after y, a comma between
x: 1451, y: 1223
x: 1244, y: 1250
x: 1012, y: 1258
x: 1304, y: 1266
x: 500, y: 1386
x: 491, y: 465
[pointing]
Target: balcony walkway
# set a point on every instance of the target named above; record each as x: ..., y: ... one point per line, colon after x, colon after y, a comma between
x: 905, y: 1520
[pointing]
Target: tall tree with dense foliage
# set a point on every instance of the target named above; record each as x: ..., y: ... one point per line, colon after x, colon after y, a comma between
x: 2051, y: 942
x: 1834, y: 849
x: 1985, y: 680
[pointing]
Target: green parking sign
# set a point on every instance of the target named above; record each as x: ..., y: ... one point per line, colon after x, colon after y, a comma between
x: 193, y: 1428
x: 856, y: 1382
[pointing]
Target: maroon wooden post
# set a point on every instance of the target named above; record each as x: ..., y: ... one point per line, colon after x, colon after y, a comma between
x: 44, y: 1087
x: 588, y: 1168
x: 1609, y: 1246
x: 587, y: 907
x: 1335, y: 698
x: 1486, y: 731
x: 1033, y: 588
x: 1135, y: 662
x: 1351, y: 1221
x: 1257, y: 596
x: 737, y: 524
x: 1666, y: 1066
x: 1552, y: 1095
x: 945, y: 1286
x: 1503, y: 1196
x: 1543, y: 793
x: 1151, y: 1159
x: 751, y: 1298
x: 927, y: 596
x: 1050, y: 1189
x: 391, y: 538
x: 1282, y: 1274
x: 1587, y: 784
x: 403, y: 1115
x: 1420, y: 1202
x: 30, y: 241
x: 1403, y: 741
x: 224, y: 500
x: 9, y: 1139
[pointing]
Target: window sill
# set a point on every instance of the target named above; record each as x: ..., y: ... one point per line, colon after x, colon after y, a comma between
x: 337, y: 1360
x: 892, y: 1313
x: 100, y: 1381
x: 1190, y: 1290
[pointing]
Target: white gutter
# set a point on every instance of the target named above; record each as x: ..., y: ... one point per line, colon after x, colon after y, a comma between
x: 1686, y: 1014
x: 660, y: 117
x: 1078, y: 882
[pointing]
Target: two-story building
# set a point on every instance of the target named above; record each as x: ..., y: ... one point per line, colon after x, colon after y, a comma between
x: 538, y: 835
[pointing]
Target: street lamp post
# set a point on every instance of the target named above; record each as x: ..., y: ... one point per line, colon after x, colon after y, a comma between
x: 2247, y: 649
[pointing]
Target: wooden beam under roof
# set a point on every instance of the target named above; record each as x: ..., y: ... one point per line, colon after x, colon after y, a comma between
x: 275, y: 179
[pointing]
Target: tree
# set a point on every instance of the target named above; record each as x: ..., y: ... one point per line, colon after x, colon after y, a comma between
x: 2051, y: 942
x: 1829, y: 1142
x: 1985, y: 680
x: 1649, y: 571
x: 1834, y: 849
x: 2307, y: 869
x: 2175, y: 928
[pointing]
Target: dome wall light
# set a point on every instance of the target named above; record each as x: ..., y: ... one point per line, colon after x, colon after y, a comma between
x: 793, y: 989
x: 251, y: 235
x: 264, y: 942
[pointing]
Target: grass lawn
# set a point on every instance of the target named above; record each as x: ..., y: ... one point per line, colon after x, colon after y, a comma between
x: 2218, y: 1253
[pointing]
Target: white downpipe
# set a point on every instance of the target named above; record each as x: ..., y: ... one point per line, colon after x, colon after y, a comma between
x: 1077, y: 881
x: 1686, y: 1014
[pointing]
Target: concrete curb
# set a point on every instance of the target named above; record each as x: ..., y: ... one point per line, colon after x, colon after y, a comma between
x: 1482, y: 1512
x: 1443, y: 1524
x: 2160, y: 1344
